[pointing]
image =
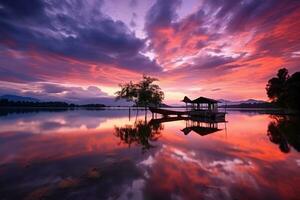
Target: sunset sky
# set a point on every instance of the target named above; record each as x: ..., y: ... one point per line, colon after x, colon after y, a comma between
x: 80, y: 50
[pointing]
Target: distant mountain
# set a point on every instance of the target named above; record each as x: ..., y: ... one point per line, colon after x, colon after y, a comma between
x: 19, y: 98
x: 109, y: 101
x: 228, y: 102
x: 249, y: 101
x: 254, y: 101
x: 165, y: 105
x: 224, y: 101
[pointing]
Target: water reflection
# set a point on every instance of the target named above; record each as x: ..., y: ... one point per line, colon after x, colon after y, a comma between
x: 201, y: 126
x: 9, y: 111
x: 285, y: 132
x: 140, y: 133
x: 85, y: 155
x: 144, y: 133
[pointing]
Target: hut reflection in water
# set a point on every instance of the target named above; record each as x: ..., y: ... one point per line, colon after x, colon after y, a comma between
x: 201, y: 126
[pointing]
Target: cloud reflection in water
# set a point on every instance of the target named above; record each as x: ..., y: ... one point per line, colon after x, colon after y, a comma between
x: 76, y: 154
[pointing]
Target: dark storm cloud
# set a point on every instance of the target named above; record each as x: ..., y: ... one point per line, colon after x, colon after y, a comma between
x: 217, y: 64
x: 4, y: 90
x: 53, y: 88
x: 162, y: 13
x: 240, y: 14
x: 237, y: 13
x: 21, y: 8
x: 15, y: 76
x: 133, y: 3
x: 77, y: 30
x: 133, y: 18
x: 214, y: 61
x: 278, y: 45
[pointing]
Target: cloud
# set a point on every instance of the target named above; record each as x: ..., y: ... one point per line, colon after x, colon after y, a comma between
x: 215, y: 24
x: 133, y: 3
x: 133, y: 18
x: 162, y: 13
x: 52, y: 88
x: 173, y: 40
x: 57, y: 28
x: 223, y: 43
x: 209, y: 44
x: 59, y: 92
x: 69, y: 93
x: 216, y: 89
x: 19, y: 8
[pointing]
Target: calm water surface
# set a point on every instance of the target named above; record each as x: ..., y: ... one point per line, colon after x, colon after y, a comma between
x: 109, y: 155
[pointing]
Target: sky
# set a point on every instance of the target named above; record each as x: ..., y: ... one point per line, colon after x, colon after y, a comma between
x: 80, y: 50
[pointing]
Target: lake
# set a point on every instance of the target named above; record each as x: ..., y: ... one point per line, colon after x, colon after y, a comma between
x: 117, y: 154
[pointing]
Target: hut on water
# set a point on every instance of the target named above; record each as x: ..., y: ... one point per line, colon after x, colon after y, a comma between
x: 201, y: 107
x: 187, y: 101
x: 201, y: 103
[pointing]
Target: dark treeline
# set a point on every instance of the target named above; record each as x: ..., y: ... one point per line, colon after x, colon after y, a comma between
x: 54, y: 104
x: 90, y: 105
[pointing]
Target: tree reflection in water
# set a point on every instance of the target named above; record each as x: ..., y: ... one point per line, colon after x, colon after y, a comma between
x: 140, y: 133
x: 285, y: 131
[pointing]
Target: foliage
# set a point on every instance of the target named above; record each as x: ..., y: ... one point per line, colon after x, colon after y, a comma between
x: 143, y: 93
x: 293, y: 91
x: 284, y: 89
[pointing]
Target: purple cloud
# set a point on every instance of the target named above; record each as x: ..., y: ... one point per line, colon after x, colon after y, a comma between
x: 57, y: 27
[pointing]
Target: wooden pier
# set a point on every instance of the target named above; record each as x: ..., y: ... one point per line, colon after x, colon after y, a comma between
x: 191, y: 113
x: 166, y: 112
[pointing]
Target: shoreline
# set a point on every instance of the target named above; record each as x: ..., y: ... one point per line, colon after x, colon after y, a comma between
x: 278, y: 111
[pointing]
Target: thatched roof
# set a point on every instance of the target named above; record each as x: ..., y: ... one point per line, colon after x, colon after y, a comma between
x: 186, y: 130
x: 204, y: 130
x: 187, y: 100
x: 204, y: 100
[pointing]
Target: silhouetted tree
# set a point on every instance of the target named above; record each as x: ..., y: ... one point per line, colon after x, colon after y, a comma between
x: 293, y: 91
x: 284, y: 89
x: 276, y: 87
x: 144, y: 93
